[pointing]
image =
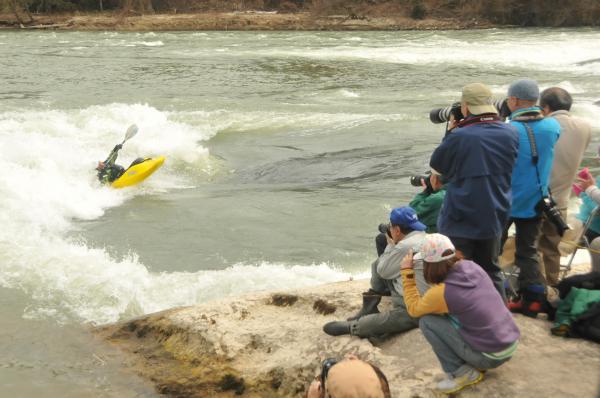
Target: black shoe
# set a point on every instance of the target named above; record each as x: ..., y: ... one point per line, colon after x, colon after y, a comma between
x: 337, y: 328
x: 369, y: 306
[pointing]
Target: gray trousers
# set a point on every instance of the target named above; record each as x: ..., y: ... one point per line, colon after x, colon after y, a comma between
x: 394, y: 321
x: 456, y: 356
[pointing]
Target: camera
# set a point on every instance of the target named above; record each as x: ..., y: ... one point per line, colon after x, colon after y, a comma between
x: 416, y: 181
x: 385, y: 229
x: 442, y: 115
x: 548, y: 207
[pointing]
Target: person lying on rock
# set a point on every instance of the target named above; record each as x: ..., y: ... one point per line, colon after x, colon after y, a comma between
x: 349, y: 378
x: 404, y: 232
x: 462, y: 316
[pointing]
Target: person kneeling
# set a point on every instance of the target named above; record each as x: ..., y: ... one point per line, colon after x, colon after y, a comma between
x: 462, y: 316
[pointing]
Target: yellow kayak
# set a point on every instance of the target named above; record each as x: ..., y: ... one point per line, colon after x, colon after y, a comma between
x: 138, y: 172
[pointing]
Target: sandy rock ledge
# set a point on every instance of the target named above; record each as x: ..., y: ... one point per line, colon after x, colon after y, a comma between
x: 271, y: 345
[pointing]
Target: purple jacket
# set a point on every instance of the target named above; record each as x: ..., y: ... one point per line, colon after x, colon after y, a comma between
x: 485, y: 322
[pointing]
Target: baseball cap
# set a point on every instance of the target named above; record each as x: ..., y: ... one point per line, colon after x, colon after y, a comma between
x: 434, y: 246
x: 406, y: 217
x: 353, y: 378
x: 479, y: 98
x: 525, y: 89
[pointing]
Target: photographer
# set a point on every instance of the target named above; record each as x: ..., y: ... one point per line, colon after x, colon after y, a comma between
x: 404, y: 233
x: 575, y: 135
x: 530, y: 178
x: 476, y: 158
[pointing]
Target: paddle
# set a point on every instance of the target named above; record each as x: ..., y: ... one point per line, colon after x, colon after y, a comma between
x: 131, y: 132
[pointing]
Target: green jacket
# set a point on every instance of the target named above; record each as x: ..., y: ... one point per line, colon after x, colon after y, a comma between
x: 575, y: 304
x: 427, y: 206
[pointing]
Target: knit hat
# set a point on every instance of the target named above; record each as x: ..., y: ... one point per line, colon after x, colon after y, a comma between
x: 478, y: 98
x: 434, y: 246
x: 525, y: 89
x: 353, y: 378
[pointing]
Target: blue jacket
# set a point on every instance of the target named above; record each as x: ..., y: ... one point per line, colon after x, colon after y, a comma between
x: 525, y: 186
x: 586, y: 208
x: 477, y: 161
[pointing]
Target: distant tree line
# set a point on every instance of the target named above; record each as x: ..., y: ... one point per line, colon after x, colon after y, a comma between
x: 505, y: 12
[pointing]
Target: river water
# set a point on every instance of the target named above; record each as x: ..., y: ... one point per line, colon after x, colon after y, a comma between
x: 284, y: 152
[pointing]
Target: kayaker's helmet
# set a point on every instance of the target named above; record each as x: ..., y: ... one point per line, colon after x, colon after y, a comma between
x: 100, y: 166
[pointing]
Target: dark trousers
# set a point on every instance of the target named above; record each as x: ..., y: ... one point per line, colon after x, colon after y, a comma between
x: 484, y: 252
x: 526, y: 254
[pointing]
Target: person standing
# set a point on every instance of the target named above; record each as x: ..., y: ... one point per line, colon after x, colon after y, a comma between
x: 530, y: 178
x: 575, y: 135
x: 476, y: 159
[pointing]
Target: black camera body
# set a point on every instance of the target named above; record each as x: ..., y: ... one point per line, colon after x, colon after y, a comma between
x: 548, y: 207
x: 416, y: 181
x: 385, y: 229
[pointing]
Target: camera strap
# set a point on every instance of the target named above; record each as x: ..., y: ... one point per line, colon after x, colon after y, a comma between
x: 483, y: 118
x: 534, y: 152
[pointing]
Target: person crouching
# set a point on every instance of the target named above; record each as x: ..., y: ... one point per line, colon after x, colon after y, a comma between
x: 463, y: 318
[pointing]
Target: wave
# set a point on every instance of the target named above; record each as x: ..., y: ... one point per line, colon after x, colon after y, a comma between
x: 48, y: 184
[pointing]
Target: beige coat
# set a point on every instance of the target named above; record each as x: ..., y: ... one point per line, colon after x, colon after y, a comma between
x: 575, y: 135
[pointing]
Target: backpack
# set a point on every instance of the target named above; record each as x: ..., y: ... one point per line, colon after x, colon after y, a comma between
x: 587, y: 325
x: 590, y: 281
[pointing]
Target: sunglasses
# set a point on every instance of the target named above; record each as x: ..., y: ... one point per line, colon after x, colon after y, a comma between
x: 325, y: 367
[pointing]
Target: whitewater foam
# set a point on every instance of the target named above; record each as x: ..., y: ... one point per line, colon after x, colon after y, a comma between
x: 48, y: 183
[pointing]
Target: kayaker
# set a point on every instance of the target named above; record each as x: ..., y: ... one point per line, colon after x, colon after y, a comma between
x: 108, y: 171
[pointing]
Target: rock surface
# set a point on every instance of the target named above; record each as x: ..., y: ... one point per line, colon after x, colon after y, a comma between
x: 272, y: 344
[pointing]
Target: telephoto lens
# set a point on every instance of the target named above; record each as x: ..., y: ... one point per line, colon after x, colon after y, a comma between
x: 442, y: 115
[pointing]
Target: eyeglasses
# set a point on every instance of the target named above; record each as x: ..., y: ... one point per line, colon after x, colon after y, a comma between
x: 325, y: 367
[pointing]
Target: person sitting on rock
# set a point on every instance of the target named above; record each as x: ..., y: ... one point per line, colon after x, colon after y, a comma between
x: 349, y: 378
x: 462, y: 316
x: 405, y: 232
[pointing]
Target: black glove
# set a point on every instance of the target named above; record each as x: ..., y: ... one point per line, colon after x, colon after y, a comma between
x: 117, y: 147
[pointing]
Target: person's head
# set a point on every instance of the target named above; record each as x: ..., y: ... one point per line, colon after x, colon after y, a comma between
x: 439, y: 255
x: 522, y: 93
x: 436, y: 181
x: 404, y: 220
x: 555, y: 99
x: 100, y: 166
x: 349, y: 378
x: 476, y: 100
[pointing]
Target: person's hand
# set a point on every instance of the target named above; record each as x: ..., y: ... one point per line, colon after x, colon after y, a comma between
x: 389, y: 239
x: 585, y: 183
x: 118, y: 147
x: 407, y: 261
x: 452, y: 123
x: 314, y: 389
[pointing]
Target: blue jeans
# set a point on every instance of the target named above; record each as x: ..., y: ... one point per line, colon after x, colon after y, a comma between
x: 456, y: 356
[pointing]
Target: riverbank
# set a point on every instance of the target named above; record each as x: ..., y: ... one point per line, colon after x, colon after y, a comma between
x: 237, y: 21
x: 271, y: 345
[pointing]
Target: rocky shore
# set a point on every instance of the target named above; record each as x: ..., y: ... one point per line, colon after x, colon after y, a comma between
x: 271, y: 345
x: 249, y: 20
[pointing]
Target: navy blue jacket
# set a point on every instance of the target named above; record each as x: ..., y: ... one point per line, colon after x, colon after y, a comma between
x: 477, y: 161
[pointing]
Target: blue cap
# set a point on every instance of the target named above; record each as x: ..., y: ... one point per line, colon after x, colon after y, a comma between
x: 525, y: 89
x: 406, y: 217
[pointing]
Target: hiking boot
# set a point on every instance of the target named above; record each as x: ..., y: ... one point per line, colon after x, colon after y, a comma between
x: 527, y: 308
x: 337, y: 328
x: 371, y: 300
x: 453, y: 384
